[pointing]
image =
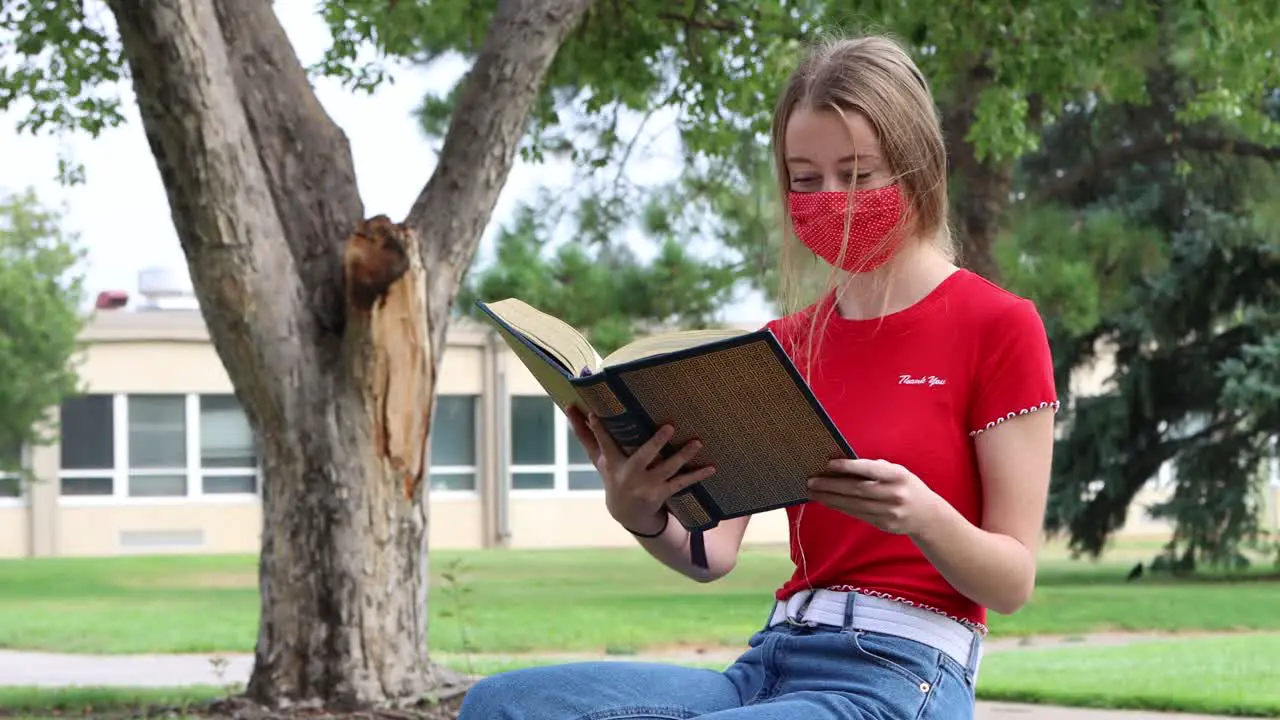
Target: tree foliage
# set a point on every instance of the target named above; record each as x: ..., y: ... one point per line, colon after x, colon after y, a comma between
x: 1166, y: 265
x: 1002, y: 74
x: 603, y: 289
x: 40, y: 320
x: 1087, y: 141
x: 1111, y: 122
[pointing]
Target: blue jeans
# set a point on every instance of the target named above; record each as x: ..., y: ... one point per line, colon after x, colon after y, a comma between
x: 788, y: 672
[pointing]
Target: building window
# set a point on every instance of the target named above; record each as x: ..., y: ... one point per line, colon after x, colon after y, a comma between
x: 545, y: 454
x: 156, y: 446
x: 228, y: 452
x: 10, y: 463
x: 582, y: 473
x: 533, y: 443
x: 87, y: 437
x: 453, y: 443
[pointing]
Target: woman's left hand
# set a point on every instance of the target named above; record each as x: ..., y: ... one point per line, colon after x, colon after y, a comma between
x: 879, y: 492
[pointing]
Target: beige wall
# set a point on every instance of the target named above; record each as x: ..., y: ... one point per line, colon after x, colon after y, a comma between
x: 15, y: 533
x: 154, y: 367
x: 174, y: 527
x: 168, y: 352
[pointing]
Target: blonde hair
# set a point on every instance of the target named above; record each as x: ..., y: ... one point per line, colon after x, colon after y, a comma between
x: 875, y: 77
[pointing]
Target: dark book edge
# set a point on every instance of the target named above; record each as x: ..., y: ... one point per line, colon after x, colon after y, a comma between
x: 524, y: 340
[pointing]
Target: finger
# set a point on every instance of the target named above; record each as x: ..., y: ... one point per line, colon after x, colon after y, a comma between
x: 870, y: 469
x: 670, y: 466
x: 644, y: 455
x: 684, y: 480
x: 583, y: 431
x: 844, y: 485
x: 609, y: 450
x: 865, y: 510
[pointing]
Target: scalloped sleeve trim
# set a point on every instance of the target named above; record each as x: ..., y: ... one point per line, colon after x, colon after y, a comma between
x: 1052, y: 406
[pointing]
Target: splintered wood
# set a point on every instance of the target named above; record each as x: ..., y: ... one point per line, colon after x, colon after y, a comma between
x: 384, y: 278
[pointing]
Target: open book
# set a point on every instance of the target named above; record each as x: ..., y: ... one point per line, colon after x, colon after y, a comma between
x: 736, y: 391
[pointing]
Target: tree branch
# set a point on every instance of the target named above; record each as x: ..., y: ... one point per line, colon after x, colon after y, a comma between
x: 484, y: 132
x: 306, y: 156
x: 218, y: 192
x: 1148, y: 148
x: 702, y: 23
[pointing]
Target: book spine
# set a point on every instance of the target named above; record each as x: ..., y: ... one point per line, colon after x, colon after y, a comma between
x: 692, y: 506
x: 690, y: 511
x: 627, y: 428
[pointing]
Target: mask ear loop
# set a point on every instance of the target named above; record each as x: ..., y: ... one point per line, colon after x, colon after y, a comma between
x: 804, y: 563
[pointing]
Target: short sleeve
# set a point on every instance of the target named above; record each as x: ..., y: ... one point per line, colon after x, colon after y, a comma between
x: 1014, y: 369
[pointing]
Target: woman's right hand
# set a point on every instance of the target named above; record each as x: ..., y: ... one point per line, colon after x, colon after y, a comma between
x: 637, y: 487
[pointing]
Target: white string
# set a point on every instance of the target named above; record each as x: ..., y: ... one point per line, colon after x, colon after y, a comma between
x: 804, y: 563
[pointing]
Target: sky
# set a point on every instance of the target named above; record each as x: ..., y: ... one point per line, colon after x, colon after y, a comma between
x: 121, y: 214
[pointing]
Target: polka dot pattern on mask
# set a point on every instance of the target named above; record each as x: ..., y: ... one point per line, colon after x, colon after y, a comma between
x: 819, y: 217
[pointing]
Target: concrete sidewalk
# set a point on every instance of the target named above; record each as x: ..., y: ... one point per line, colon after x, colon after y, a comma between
x: 52, y: 670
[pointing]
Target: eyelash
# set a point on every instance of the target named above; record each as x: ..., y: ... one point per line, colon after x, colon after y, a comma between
x: 802, y: 181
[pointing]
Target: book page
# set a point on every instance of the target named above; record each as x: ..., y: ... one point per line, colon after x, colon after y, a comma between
x: 559, y: 339
x: 667, y: 342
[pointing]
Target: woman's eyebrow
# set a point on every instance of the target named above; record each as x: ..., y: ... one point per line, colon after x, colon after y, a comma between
x: 847, y: 158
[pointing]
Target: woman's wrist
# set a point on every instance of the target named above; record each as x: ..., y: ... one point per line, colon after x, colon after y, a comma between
x: 652, y: 527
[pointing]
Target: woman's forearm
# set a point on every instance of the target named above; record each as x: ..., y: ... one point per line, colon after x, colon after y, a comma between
x: 672, y: 547
x: 996, y: 571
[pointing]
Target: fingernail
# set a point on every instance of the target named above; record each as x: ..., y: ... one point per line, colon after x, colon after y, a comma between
x: 696, y: 444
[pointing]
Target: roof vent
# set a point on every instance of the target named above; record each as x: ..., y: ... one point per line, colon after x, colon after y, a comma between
x: 164, y: 288
x: 111, y: 300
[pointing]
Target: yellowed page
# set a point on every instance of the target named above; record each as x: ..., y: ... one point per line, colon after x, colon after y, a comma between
x: 547, y: 375
x: 668, y: 342
x: 559, y: 339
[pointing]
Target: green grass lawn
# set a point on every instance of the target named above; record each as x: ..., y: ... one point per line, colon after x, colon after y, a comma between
x: 617, y: 600
x: 1228, y: 676
x: 1225, y: 676
x: 22, y: 702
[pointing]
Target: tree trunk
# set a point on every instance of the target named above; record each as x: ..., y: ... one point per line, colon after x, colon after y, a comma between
x: 979, y: 188
x: 331, y: 327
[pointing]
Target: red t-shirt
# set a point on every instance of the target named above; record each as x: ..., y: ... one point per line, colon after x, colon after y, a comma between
x: 915, y: 388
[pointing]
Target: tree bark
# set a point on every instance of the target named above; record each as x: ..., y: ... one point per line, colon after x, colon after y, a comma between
x: 980, y: 188
x: 331, y: 327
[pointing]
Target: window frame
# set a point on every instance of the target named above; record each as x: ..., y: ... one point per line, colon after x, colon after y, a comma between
x: 23, y: 496
x: 195, y: 454
x: 560, y: 466
x: 193, y: 471
x: 477, y: 443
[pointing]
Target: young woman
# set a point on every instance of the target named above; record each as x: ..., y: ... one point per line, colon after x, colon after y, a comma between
x: 942, y: 381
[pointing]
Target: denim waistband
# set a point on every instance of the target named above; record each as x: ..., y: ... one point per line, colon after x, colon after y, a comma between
x: 851, y: 610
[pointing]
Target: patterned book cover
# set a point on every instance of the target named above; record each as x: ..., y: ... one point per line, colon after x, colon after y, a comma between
x: 760, y: 424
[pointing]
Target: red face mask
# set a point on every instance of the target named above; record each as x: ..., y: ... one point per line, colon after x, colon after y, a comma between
x: 818, y: 219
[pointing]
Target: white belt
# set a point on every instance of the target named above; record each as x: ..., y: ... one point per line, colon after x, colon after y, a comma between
x: 875, y: 614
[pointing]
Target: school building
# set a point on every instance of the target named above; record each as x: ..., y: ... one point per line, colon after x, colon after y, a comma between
x: 157, y: 455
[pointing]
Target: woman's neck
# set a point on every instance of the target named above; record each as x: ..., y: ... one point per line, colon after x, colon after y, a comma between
x: 904, y: 281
